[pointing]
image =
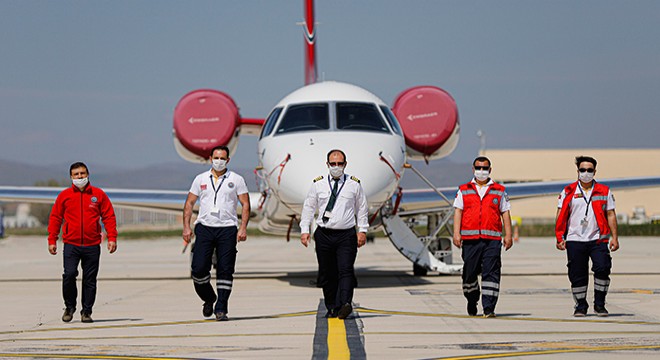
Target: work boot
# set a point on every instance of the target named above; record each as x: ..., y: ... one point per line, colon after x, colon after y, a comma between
x: 472, y: 308
x: 207, y: 309
x: 344, y: 311
x: 220, y: 316
x: 86, y: 317
x: 68, y: 314
x: 579, y: 312
x: 601, y: 311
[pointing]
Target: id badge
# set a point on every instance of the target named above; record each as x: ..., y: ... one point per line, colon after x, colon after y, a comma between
x: 327, y: 214
x: 215, y: 211
x: 584, y: 222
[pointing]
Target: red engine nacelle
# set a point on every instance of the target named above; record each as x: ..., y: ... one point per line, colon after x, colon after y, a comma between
x: 204, y: 119
x: 429, y: 118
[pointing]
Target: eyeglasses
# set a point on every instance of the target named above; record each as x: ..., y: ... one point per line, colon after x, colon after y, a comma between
x: 337, y: 163
x: 482, y: 167
x: 582, y: 170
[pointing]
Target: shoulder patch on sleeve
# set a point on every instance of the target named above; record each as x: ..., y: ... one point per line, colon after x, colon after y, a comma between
x: 355, y: 179
x: 318, y: 178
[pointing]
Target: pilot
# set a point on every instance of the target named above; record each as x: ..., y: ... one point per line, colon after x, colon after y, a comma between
x: 80, y: 207
x: 219, y: 192
x: 339, y: 199
x: 586, y: 228
x: 481, y: 207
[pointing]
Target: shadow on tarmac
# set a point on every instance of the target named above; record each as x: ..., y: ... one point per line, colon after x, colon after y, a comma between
x: 367, y: 279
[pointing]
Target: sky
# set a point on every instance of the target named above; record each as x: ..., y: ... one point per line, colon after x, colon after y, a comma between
x: 98, y: 80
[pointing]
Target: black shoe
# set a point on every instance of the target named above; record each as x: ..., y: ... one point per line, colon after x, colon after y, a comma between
x: 331, y: 313
x: 489, y: 314
x: 580, y: 313
x: 472, y: 308
x: 221, y: 316
x: 68, y: 315
x: 344, y: 311
x: 207, y: 309
x: 86, y: 317
x: 601, y: 311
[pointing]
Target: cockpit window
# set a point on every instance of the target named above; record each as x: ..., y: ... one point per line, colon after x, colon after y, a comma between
x: 304, y: 117
x: 359, y: 116
x: 391, y: 119
x: 270, y: 122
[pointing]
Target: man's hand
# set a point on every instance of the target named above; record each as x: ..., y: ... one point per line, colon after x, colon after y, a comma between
x: 508, y: 242
x: 112, y: 246
x: 614, y: 244
x: 242, y: 234
x: 561, y: 245
x: 187, y: 234
x: 362, y: 238
x: 52, y: 249
x: 457, y: 240
x: 304, y: 239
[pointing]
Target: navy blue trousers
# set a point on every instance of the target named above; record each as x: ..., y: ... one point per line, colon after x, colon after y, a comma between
x: 482, y: 257
x: 578, y: 254
x: 88, y: 257
x: 336, y: 251
x: 222, y: 240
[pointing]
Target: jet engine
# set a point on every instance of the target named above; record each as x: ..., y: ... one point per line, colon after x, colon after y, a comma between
x: 204, y: 119
x: 429, y: 118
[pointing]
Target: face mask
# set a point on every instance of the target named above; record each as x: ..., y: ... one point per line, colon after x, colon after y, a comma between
x: 481, y: 175
x: 586, y: 177
x: 219, y: 164
x: 80, y: 183
x: 336, y: 171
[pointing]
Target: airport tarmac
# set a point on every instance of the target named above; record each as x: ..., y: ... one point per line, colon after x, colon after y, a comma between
x: 146, y: 307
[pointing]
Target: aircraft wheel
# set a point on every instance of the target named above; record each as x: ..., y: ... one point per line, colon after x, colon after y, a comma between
x: 419, y: 270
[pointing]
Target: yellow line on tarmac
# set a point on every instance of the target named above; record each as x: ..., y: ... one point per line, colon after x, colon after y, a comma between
x: 82, y: 356
x: 600, y: 320
x: 164, y: 323
x: 337, y: 342
x: 549, y: 352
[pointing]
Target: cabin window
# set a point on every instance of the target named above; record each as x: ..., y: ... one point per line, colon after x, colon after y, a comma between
x: 270, y: 122
x: 304, y: 117
x: 360, y: 117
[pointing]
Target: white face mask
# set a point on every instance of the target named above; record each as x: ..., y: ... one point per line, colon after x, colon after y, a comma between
x: 336, y: 171
x: 586, y: 177
x: 481, y: 175
x: 219, y: 164
x: 80, y: 183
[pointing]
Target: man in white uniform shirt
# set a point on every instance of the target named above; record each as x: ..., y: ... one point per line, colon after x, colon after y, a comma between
x: 219, y: 192
x: 586, y: 228
x: 339, y: 200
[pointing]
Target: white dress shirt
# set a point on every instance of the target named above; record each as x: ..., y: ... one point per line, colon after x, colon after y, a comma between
x: 218, y: 198
x: 351, y: 203
x: 577, y: 229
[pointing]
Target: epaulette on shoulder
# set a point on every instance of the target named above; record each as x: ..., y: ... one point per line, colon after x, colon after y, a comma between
x: 318, y: 178
x: 355, y: 179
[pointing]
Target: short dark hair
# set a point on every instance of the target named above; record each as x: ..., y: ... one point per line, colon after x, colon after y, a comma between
x: 219, y: 147
x: 76, y: 165
x: 482, y: 158
x: 580, y: 159
x: 334, y: 151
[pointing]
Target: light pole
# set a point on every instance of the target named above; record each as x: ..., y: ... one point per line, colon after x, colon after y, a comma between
x: 482, y: 141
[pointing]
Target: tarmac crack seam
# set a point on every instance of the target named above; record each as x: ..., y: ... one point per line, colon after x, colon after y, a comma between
x: 549, y: 352
x: 500, y: 317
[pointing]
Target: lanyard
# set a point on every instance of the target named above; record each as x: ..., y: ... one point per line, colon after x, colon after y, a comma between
x: 215, y: 197
x: 338, y: 190
x: 585, y: 198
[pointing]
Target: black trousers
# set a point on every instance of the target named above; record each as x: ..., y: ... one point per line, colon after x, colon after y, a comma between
x: 336, y: 251
x: 578, y: 254
x: 222, y: 240
x: 88, y: 257
x: 483, y: 257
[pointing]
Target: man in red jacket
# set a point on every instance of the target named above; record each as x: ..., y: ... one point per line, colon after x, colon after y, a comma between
x: 481, y: 209
x: 79, y: 209
x: 586, y: 228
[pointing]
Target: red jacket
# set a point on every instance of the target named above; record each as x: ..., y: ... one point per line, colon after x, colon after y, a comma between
x: 481, y: 217
x: 80, y: 211
x: 599, y: 204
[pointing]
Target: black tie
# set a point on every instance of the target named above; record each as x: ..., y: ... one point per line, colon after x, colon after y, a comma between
x: 331, y: 202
